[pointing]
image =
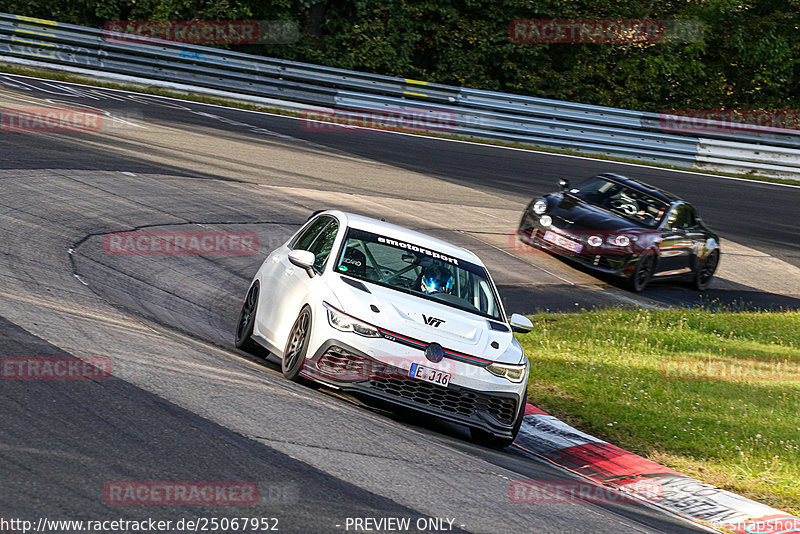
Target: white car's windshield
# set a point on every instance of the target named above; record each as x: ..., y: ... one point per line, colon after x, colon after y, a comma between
x: 419, y: 271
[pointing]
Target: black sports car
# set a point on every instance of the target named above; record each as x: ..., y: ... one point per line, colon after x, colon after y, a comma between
x: 616, y: 225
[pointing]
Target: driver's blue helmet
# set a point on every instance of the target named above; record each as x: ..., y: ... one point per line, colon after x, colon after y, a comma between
x: 436, y: 279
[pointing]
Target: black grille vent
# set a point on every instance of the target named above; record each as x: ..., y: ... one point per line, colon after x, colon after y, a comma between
x: 451, y: 399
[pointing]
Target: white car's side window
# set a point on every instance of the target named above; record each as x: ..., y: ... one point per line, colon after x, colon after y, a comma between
x: 306, y: 238
x: 486, y: 301
x: 322, y: 245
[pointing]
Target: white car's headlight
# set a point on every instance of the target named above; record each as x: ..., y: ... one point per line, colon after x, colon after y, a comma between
x: 341, y: 321
x: 513, y: 373
x: 540, y: 206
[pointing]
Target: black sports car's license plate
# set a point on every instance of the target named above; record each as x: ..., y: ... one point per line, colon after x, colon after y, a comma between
x: 563, y: 242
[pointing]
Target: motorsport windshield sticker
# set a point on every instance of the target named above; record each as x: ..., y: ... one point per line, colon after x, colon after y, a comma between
x: 415, y: 248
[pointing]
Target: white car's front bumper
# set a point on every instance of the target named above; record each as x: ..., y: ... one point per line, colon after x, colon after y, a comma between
x: 379, y: 367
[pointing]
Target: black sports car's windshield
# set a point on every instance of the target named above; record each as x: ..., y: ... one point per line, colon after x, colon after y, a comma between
x: 418, y: 271
x: 622, y: 200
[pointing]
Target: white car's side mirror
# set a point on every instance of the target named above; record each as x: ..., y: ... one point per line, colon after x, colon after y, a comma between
x: 520, y: 324
x: 303, y: 259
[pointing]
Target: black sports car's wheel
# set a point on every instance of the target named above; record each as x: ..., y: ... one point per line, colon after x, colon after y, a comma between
x: 247, y: 318
x: 705, y: 271
x: 482, y: 437
x: 296, y: 346
x: 643, y: 272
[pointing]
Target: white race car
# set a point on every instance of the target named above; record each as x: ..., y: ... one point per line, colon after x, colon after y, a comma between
x: 368, y: 307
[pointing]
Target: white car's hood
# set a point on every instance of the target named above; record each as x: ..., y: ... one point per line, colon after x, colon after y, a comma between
x: 427, y: 321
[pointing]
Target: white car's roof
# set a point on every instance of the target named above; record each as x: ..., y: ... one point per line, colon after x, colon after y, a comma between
x: 404, y: 234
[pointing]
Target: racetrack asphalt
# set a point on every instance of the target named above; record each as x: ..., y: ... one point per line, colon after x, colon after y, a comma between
x: 182, y: 403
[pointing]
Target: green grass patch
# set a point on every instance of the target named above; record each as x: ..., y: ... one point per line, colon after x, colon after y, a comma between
x: 715, y: 395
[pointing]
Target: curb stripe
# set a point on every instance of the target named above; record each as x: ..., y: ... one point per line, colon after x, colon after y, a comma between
x: 547, y: 438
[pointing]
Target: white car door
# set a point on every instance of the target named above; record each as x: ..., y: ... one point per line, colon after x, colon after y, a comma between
x: 274, y: 274
x: 291, y: 283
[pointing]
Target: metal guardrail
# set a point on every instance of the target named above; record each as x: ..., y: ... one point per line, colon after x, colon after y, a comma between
x: 471, y: 112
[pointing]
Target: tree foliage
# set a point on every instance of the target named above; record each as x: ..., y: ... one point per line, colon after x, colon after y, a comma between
x: 747, y: 57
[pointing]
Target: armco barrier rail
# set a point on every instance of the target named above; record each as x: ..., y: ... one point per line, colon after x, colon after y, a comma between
x: 473, y: 113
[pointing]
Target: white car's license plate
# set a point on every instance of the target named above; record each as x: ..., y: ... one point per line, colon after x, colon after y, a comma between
x: 440, y: 378
x: 563, y: 242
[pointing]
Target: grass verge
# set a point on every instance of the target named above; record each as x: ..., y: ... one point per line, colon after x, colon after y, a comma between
x: 715, y: 395
x: 153, y: 90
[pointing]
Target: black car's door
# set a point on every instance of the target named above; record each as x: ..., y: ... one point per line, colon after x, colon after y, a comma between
x: 680, y: 234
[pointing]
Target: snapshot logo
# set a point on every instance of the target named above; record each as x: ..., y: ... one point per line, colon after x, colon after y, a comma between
x: 54, y: 368
x: 776, y: 524
x: 705, y: 121
x: 609, y: 31
x: 730, y: 370
x: 50, y: 120
x: 203, y: 32
x: 354, y: 119
x: 181, y: 493
x: 180, y: 243
x: 572, y: 492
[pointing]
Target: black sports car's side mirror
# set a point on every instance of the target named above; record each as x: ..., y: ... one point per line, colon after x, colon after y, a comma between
x: 564, y: 184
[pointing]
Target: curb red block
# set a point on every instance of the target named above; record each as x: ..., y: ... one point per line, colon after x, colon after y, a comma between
x: 606, y: 462
x: 530, y: 409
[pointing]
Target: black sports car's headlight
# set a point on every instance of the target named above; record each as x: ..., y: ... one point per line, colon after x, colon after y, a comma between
x: 540, y: 206
x: 622, y: 240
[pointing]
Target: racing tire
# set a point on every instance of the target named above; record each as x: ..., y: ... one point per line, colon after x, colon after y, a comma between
x: 705, y: 271
x: 247, y: 319
x: 642, y: 273
x: 487, y: 439
x: 294, y: 355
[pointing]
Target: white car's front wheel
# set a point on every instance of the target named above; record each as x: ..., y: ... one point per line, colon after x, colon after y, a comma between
x: 296, y: 346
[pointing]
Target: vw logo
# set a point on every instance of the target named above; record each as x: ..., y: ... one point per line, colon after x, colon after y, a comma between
x: 434, y: 352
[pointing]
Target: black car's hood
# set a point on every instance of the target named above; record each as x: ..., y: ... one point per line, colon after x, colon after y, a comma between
x: 570, y: 213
